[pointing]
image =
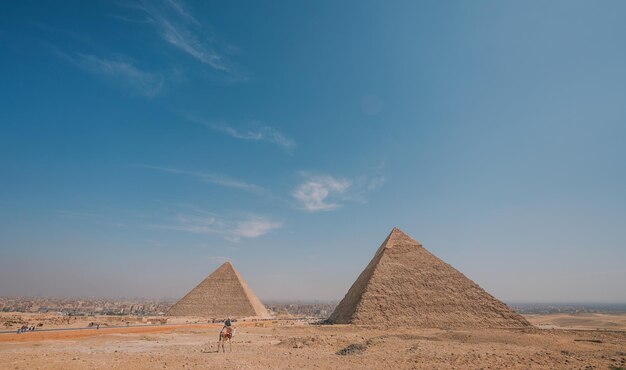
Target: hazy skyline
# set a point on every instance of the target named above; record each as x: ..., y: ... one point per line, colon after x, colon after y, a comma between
x: 142, y: 144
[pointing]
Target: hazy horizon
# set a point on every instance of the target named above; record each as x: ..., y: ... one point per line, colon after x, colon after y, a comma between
x: 311, y: 301
x: 143, y: 143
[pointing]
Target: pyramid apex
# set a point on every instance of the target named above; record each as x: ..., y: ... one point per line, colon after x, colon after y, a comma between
x: 396, y: 230
x: 226, y: 266
x: 396, y: 236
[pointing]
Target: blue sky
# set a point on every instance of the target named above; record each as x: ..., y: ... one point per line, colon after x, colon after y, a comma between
x: 144, y: 143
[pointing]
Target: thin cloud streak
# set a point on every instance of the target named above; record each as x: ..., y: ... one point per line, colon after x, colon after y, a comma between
x: 179, y: 28
x: 257, y: 133
x: 119, y: 72
x: 212, y: 178
x: 182, y: 11
x: 232, y: 230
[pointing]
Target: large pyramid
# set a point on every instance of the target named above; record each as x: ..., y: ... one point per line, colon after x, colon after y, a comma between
x: 222, y: 294
x: 404, y: 284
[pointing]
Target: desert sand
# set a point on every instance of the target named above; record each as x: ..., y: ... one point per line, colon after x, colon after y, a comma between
x: 288, y: 344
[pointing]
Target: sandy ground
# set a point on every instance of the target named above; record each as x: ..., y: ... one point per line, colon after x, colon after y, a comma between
x: 296, y: 345
x: 582, y: 321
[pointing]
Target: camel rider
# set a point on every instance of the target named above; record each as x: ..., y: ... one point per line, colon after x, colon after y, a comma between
x: 228, y: 326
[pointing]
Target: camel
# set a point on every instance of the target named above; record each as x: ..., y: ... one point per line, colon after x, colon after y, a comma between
x: 226, y: 335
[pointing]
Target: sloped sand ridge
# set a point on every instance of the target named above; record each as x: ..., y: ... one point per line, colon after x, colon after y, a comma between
x: 404, y: 284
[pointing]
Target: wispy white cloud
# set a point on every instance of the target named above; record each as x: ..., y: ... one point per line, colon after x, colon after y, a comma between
x: 254, y: 227
x: 261, y: 133
x: 120, y: 72
x: 177, y: 26
x: 375, y: 183
x: 324, y: 192
x: 320, y: 192
x: 234, y: 230
x: 362, y: 187
x: 258, y: 132
x: 212, y: 178
x: 182, y: 11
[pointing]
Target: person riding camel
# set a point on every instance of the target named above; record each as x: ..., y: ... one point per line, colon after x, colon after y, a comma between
x: 226, y: 335
x: 228, y: 326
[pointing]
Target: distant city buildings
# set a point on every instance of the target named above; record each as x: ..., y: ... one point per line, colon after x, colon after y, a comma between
x: 155, y: 307
x: 85, y: 306
x: 137, y: 306
x: 569, y: 308
x: 314, y: 309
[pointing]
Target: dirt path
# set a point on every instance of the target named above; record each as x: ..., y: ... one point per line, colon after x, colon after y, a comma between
x: 86, y: 333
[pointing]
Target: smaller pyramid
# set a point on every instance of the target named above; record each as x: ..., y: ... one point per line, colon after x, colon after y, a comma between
x: 222, y: 294
x: 404, y: 284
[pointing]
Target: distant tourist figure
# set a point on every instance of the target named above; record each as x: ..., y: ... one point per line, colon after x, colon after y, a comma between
x: 226, y: 335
